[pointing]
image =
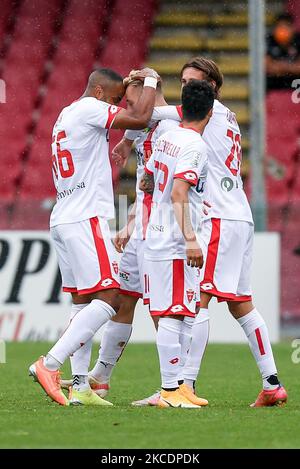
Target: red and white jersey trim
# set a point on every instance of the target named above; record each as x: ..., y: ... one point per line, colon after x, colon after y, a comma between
x: 112, y: 112
x: 190, y: 176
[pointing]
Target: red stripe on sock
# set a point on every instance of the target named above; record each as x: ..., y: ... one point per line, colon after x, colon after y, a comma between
x: 260, y: 342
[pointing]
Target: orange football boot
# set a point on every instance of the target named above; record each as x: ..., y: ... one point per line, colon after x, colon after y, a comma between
x: 175, y: 399
x: 188, y: 392
x: 275, y: 397
x: 49, y: 380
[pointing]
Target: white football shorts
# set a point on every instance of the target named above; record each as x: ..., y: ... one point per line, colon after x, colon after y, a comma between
x: 131, y: 268
x: 86, y: 256
x: 227, y: 248
x: 173, y: 287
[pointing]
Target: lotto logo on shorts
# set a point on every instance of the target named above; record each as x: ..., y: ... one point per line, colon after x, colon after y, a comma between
x: 115, y: 267
x: 190, y: 294
x: 106, y: 282
x: 177, y: 308
x: 174, y: 361
x: 207, y: 286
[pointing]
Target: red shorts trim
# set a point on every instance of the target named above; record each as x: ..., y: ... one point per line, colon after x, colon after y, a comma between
x: 99, y: 287
x: 146, y: 301
x: 69, y: 289
x: 212, y: 251
x: 222, y: 296
x: 131, y: 293
x: 103, y: 258
x: 168, y: 312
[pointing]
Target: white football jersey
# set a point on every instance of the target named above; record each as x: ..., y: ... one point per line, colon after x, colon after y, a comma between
x: 179, y: 153
x: 80, y: 162
x: 144, y: 145
x: 224, y: 187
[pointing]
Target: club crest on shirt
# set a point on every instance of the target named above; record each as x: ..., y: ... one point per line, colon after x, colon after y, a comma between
x: 115, y: 267
x: 190, y: 294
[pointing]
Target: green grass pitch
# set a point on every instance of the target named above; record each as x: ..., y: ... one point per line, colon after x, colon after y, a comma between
x: 229, y: 379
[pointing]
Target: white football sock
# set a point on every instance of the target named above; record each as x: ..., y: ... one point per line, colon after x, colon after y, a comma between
x: 82, y: 328
x: 185, y: 341
x: 80, y: 360
x: 114, y: 340
x: 256, y: 331
x: 81, y: 383
x: 50, y: 363
x: 200, y: 333
x: 169, y: 348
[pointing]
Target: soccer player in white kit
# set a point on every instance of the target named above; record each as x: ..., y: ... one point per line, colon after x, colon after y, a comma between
x: 79, y: 223
x: 227, y: 242
x: 130, y: 242
x: 177, y: 168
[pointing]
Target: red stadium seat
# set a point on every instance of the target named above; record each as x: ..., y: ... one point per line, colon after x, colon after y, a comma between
x: 6, y: 9
x: 72, y: 63
x: 38, y: 181
x: 132, y: 30
x: 281, y: 144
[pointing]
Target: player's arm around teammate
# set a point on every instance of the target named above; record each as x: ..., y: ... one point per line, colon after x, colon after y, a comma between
x: 79, y: 221
x: 227, y: 237
x: 132, y: 281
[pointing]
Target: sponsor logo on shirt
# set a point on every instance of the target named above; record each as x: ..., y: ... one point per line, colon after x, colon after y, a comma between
x: 67, y: 192
x: 196, y: 159
x: 227, y: 184
x: 160, y: 228
x: 125, y: 276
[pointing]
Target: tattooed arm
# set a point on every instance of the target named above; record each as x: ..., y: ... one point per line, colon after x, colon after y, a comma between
x: 147, y: 183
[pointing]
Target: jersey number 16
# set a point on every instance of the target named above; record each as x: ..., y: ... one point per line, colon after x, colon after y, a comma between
x: 63, y: 162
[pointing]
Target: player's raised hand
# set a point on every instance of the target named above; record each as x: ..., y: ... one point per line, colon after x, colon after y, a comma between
x: 121, y: 152
x: 142, y: 74
x: 194, y: 254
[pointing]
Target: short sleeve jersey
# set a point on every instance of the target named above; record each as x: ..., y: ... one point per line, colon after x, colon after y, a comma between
x: 80, y: 162
x: 179, y: 153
